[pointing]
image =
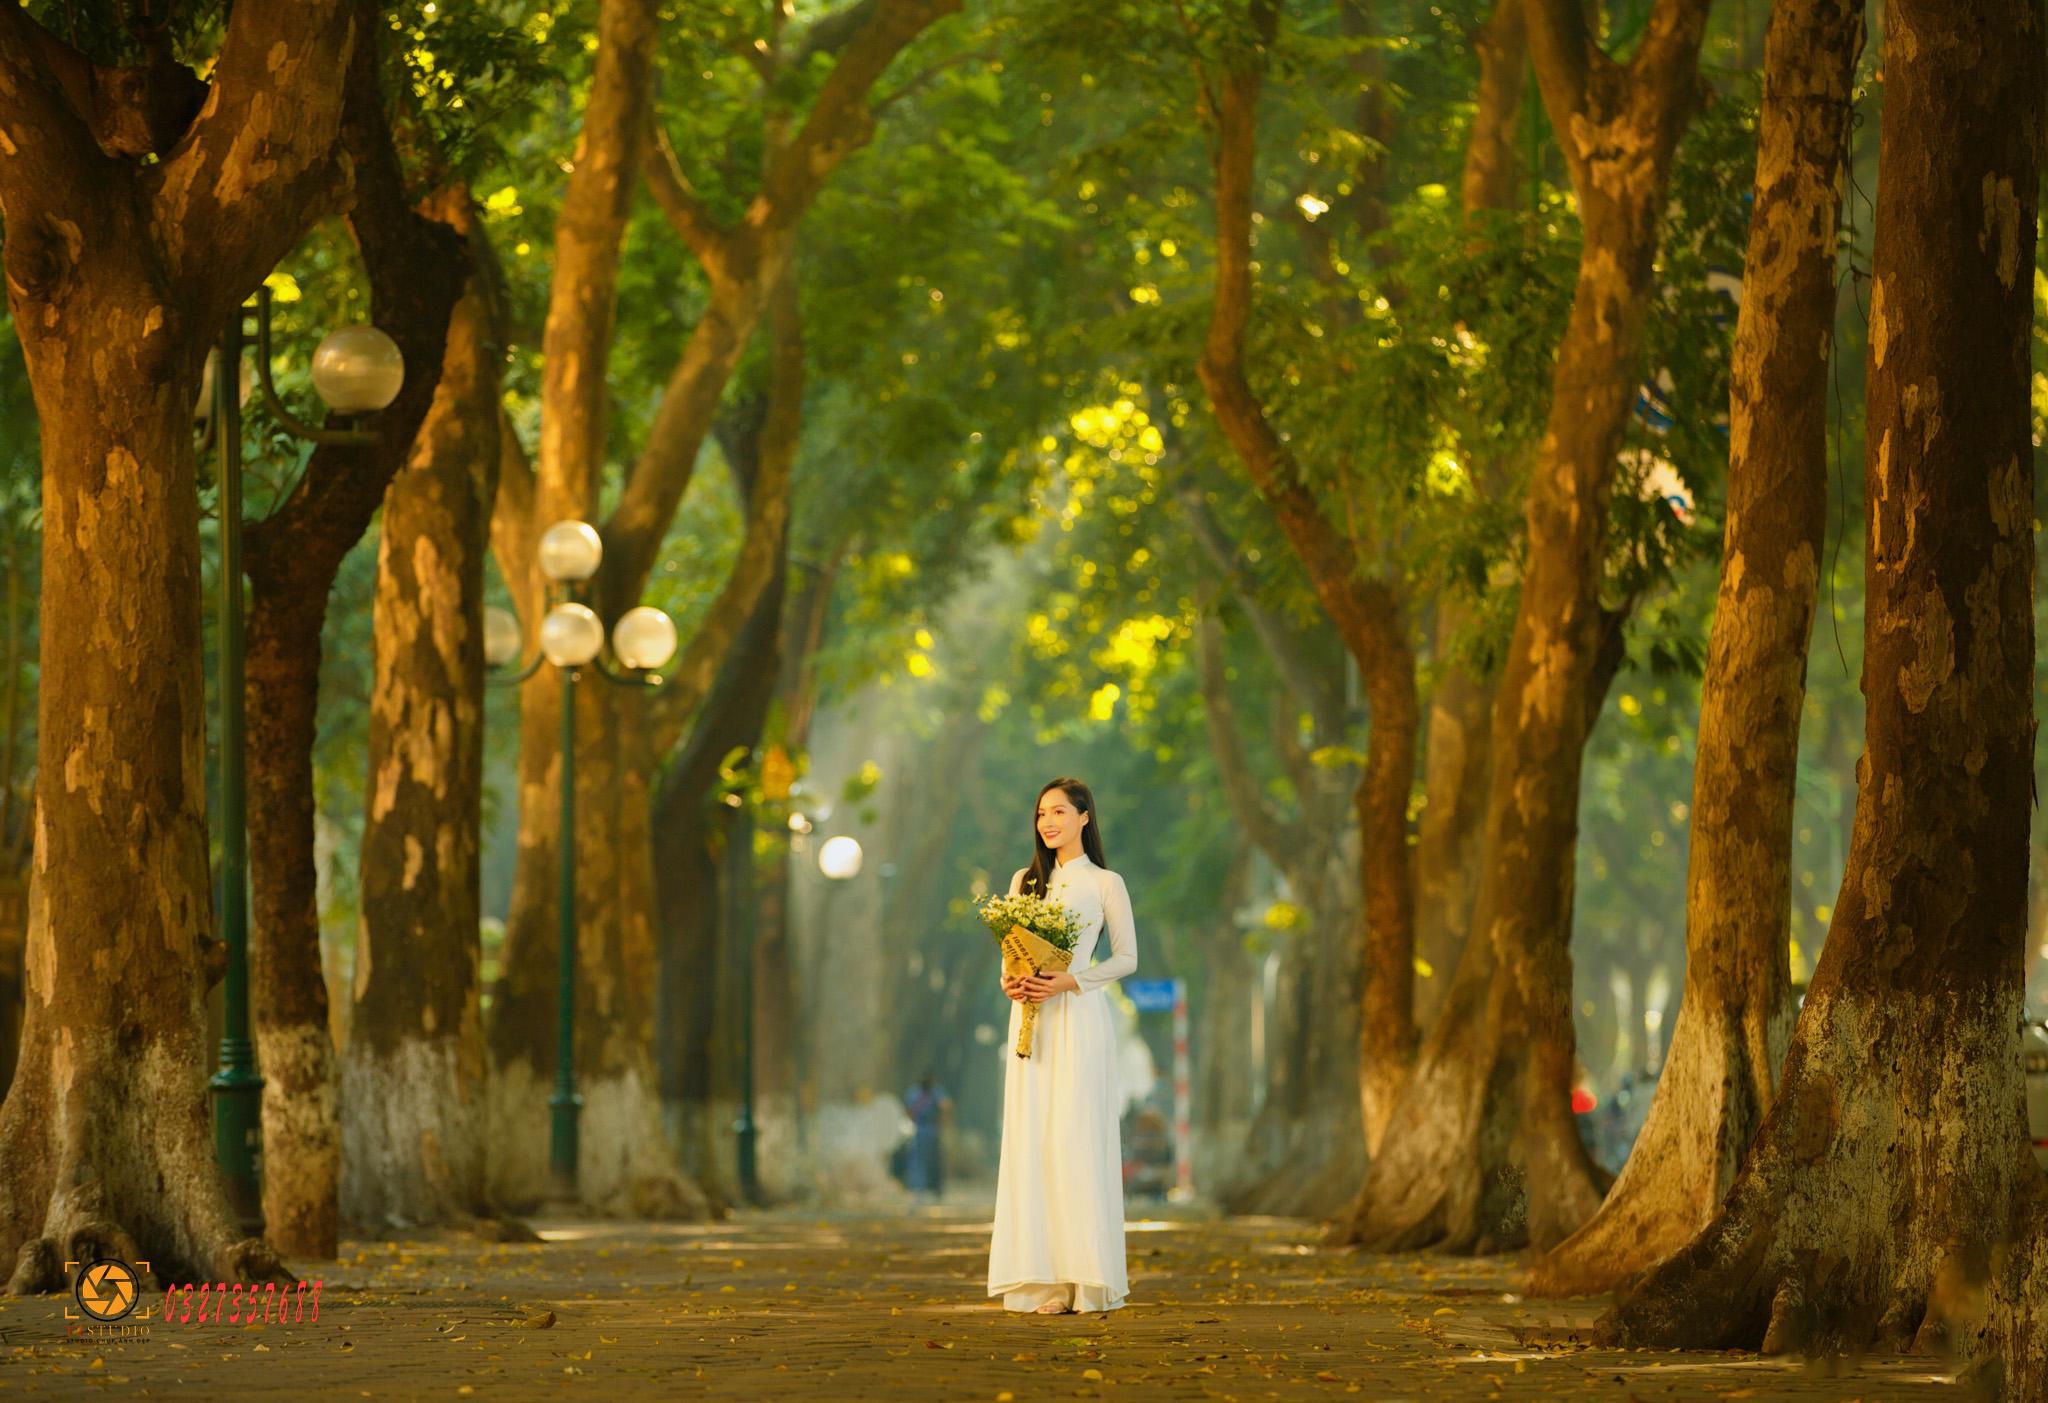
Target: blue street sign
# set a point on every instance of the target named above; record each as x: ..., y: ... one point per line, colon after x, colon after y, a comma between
x: 1150, y: 995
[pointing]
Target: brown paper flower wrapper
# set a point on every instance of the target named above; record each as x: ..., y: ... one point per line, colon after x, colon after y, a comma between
x: 1026, y: 953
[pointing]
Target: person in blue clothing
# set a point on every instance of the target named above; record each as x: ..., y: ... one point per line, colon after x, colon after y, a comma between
x: 927, y: 1104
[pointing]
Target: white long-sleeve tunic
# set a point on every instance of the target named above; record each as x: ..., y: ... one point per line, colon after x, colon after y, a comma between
x: 1059, y: 1191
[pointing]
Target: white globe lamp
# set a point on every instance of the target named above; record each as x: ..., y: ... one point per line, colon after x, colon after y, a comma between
x: 570, y: 551
x: 358, y: 369
x: 839, y: 858
x: 644, y: 638
x: 571, y: 635
x: 502, y: 636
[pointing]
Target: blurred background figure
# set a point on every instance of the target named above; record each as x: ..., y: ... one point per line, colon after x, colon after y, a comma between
x: 924, y: 1166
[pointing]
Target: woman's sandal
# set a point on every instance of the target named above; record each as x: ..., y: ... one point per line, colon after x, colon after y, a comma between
x: 1054, y: 1308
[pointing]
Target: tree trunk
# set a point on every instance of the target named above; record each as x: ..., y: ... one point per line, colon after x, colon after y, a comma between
x: 413, y: 1076
x: 1447, y: 851
x: 691, y: 829
x: 1306, y: 1151
x: 1386, y: 1011
x: 742, y: 263
x: 777, y: 1027
x: 1736, y: 1013
x: 690, y: 835
x: 1892, y: 1179
x: 625, y: 1165
x: 1223, y: 1089
x: 1485, y: 1154
x: 105, y: 1135
x: 1367, y: 610
x: 414, y: 265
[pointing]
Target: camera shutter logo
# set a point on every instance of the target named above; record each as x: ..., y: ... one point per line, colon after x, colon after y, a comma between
x: 107, y: 1290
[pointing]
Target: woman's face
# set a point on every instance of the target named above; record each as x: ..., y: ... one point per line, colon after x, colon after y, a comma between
x: 1059, y: 822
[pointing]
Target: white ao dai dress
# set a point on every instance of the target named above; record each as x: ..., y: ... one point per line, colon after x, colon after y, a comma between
x: 1059, y: 1228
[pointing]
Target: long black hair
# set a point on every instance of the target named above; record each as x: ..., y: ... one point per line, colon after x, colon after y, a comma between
x: 1039, y: 879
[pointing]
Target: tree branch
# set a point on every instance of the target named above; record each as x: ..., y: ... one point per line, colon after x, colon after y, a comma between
x: 417, y: 267
x: 767, y: 526
x: 755, y: 257
x: 1566, y: 60
x: 1282, y: 723
x: 840, y: 120
x: 1353, y: 600
x: 1668, y: 53
x: 796, y: 684
x: 258, y: 165
x: 46, y: 141
x: 687, y: 215
x: 583, y: 295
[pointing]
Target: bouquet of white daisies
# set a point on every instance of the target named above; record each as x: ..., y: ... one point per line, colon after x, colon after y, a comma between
x: 1036, y: 935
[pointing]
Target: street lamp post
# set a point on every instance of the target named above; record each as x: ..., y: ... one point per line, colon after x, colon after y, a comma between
x: 357, y: 370
x: 739, y: 855
x: 572, y: 637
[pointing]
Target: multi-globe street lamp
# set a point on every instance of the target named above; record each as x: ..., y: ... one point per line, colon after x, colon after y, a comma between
x: 572, y: 637
x: 357, y: 371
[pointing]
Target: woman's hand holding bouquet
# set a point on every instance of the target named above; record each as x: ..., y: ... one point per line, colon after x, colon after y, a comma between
x: 1036, y: 935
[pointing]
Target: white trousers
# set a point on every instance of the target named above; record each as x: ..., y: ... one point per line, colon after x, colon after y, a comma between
x: 1078, y: 1296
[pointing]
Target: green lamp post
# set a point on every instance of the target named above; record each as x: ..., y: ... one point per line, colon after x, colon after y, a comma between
x: 572, y: 637
x: 357, y: 371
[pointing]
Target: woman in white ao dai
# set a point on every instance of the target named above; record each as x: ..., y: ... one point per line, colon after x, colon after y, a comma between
x: 1058, y: 1243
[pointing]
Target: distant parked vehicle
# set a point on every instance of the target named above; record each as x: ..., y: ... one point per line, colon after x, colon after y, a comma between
x: 2034, y: 1055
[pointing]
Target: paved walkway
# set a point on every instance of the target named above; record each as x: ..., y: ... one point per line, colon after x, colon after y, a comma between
x: 786, y: 1305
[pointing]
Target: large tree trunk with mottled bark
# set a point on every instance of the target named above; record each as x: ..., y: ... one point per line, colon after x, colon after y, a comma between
x: 742, y: 263
x: 1366, y: 608
x: 413, y: 1147
x: 105, y: 1138
x: 1736, y: 1013
x: 415, y: 268
x: 1891, y: 1200
x: 624, y: 1162
x: 1484, y: 1154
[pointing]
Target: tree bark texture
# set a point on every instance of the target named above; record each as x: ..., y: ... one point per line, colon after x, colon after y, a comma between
x: 1891, y: 1200
x: 1484, y: 1154
x: 120, y: 272
x: 413, y: 1076
x: 415, y: 265
x: 1736, y: 1012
